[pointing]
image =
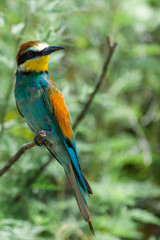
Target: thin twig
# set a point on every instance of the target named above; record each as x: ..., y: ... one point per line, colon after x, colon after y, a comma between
x: 100, y: 81
x: 82, y: 114
x: 41, y: 135
x: 21, y: 151
x: 39, y: 171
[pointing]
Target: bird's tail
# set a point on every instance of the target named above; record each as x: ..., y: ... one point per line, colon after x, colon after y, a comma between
x: 79, y: 195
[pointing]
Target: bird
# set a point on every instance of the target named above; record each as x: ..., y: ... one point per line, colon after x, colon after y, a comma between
x: 42, y: 105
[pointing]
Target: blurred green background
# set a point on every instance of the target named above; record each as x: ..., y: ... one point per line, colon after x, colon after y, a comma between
x: 118, y: 140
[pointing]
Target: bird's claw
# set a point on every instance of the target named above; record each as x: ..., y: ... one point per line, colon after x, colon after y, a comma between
x: 40, y: 138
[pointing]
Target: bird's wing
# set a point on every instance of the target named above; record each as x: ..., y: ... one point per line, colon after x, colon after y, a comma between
x: 57, y: 108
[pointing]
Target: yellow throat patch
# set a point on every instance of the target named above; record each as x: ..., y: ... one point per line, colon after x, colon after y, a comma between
x: 36, y: 65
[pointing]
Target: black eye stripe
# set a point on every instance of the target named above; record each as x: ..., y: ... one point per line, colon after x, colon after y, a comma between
x: 24, y: 57
x: 30, y: 53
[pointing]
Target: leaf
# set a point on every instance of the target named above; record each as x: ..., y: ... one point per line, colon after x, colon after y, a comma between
x: 16, y: 29
x: 144, y: 216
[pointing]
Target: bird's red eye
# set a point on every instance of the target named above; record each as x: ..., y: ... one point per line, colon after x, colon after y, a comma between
x: 30, y: 54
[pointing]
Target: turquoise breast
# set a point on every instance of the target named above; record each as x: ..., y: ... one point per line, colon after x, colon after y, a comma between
x: 30, y: 101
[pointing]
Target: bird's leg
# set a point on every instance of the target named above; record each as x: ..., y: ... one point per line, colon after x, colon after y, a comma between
x: 40, y: 138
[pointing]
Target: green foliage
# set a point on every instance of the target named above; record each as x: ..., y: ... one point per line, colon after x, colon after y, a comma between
x: 117, y: 141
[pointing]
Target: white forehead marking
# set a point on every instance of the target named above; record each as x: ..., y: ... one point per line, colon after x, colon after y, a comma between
x: 41, y: 46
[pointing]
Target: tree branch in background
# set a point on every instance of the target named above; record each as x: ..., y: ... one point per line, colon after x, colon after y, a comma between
x: 99, y: 83
x: 82, y: 114
x: 39, y: 171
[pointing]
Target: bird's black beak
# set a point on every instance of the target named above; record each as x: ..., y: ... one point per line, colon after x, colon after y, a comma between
x: 51, y: 49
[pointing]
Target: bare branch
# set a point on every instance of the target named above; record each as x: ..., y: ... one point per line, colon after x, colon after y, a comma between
x: 21, y: 151
x: 100, y: 81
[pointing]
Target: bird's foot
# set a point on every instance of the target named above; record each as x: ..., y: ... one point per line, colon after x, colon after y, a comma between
x: 40, y: 138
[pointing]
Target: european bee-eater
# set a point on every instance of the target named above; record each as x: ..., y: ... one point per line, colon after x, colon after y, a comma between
x: 42, y: 105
